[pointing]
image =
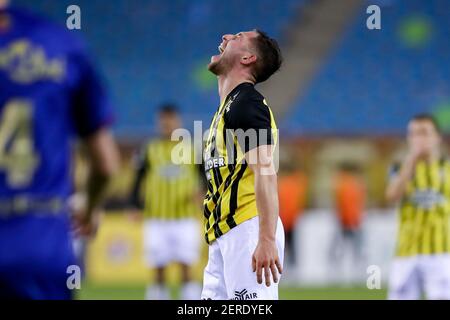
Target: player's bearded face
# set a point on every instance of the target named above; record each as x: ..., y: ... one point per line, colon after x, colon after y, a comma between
x: 231, y: 49
x: 221, y: 63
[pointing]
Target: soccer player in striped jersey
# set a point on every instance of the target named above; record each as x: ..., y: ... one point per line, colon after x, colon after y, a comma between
x: 421, y: 184
x: 172, y: 203
x: 242, y: 226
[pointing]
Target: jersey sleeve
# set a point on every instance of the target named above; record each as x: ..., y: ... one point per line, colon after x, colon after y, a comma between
x: 91, y: 107
x: 250, y: 120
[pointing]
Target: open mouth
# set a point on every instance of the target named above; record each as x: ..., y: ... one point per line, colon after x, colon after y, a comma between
x: 221, y: 49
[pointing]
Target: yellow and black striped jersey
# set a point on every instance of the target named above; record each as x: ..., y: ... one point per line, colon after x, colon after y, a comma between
x: 424, y: 211
x: 170, y: 187
x: 242, y: 122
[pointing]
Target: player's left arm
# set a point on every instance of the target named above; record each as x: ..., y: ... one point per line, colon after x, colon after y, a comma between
x: 251, y: 120
x: 92, y: 117
x: 104, y: 161
x: 265, y: 258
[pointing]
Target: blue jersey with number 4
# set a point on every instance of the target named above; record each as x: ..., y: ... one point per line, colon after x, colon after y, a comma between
x: 49, y: 93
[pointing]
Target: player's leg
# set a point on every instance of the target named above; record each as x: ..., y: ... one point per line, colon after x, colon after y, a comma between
x: 237, y: 247
x: 161, y: 291
x: 213, y: 275
x: 190, y: 289
x: 436, y: 276
x: 356, y: 245
x: 186, y: 242
x: 156, y: 250
x: 336, y: 253
x: 404, y: 279
x: 358, y: 242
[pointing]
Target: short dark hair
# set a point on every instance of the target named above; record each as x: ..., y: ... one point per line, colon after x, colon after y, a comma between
x: 168, y: 109
x: 427, y: 117
x: 269, y: 54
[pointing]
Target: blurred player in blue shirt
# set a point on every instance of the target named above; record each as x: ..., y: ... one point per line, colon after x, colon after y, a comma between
x: 49, y: 93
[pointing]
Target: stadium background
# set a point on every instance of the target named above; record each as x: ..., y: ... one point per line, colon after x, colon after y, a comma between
x: 344, y: 95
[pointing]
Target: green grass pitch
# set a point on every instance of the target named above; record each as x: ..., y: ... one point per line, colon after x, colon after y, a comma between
x: 114, y: 292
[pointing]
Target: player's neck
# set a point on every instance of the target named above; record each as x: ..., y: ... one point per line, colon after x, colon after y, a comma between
x: 228, y: 82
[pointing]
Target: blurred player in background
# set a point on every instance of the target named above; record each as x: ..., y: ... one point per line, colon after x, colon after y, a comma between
x: 292, y: 191
x: 350, y: 204
x: 242, y: 226
x: 421, y: 184
x: 49, y: 93
x: 172, y: 203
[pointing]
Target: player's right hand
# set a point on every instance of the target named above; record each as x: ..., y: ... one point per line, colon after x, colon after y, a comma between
x: 85, y: 224
x: 418, y: 152
x: 265, y: 260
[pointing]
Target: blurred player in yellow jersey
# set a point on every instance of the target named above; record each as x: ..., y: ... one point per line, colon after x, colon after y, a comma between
x: 422, y: 186
x: 172, y: 203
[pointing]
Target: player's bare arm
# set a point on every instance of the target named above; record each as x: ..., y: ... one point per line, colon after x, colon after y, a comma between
x: 397, y: 185
x: 265, y: 258
x: 104, y: 158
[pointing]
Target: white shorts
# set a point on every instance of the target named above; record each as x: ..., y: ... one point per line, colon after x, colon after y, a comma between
x: 167, y: 241
x: 229, y: 274
x: 412, y: 276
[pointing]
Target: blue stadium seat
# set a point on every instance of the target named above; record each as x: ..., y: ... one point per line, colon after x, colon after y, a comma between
x: 375, y: 80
